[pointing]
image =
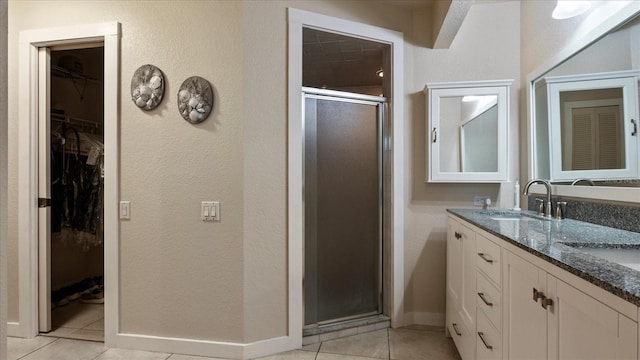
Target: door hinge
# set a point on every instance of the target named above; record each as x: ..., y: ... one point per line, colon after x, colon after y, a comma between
x: 44, y: 202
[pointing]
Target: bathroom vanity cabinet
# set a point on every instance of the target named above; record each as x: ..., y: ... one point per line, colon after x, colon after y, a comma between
x: 526, y: 307
x: 548, y: 318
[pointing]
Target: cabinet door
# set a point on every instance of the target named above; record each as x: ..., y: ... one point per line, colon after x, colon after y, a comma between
x: 463, y: 337
x: 525, y: 321
x: 461, y: 285
x: 467, y: 139
x: 454, y: 263
x: 469, y: 277
x: 461, y: 269
x: 581, y: 327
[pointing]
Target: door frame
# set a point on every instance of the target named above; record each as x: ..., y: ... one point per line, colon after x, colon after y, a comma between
x: 297, y: 19
x: 3, y: 179
x: 29, y: 42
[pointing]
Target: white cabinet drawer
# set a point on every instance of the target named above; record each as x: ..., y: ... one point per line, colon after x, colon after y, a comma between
x: 462, y: 336
x: 489, y: 260
x: 489, y: 300
x: 488, y: 340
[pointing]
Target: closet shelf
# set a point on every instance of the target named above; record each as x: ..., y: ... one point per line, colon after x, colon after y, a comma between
x: 82, y: 124
x: 67, y: 74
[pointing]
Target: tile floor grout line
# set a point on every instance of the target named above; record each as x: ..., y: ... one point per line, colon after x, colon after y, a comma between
x: 425, y: 330
x: 34, y: 350
x: 318, y: 352
x: 389, y: 342
x: 431, y: 333
x: 97, y: 356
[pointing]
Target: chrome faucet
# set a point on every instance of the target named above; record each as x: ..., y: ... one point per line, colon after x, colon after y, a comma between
x: 547, y: 207
x: 588, y: 181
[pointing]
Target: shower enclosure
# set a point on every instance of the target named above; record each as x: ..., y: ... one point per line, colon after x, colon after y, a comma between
x: 343, y: 205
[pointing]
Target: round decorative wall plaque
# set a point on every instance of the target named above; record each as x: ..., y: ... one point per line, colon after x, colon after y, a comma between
x: 195, y: 99
x: 147, y: 87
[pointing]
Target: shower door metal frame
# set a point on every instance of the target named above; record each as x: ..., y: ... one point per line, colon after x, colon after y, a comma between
x: 382, y: 142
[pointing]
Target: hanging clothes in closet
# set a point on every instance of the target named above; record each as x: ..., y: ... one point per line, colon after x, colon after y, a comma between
x: 77, y: 173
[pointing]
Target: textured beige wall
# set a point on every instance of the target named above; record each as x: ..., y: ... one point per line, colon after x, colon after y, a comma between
x: 179, y: 276
x: 227, y: 281
x: 486, y: 48
x: 265, y: 227
x: 169, y: 257
x: 3, y: 179
x: 265, y: 116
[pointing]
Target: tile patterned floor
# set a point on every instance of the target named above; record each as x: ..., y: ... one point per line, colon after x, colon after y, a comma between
x: 411, y: 343
x: 78, y: 321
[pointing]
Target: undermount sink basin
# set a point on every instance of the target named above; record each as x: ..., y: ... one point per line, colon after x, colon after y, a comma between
x: 511, y: 216
x: 629, y: 257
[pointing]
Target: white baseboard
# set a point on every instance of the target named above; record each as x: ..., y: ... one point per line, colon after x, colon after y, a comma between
x: 14, y: 329
x: 272, y: 346
x: 216, y: 349
x: 424, y: 318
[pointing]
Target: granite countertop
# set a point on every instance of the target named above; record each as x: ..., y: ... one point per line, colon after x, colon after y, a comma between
x: 560, y: 241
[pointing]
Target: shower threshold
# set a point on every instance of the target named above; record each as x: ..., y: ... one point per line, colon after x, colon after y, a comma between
x: 334, y: 330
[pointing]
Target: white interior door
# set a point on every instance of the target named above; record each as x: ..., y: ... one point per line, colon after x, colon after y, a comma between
x: 44, y: 191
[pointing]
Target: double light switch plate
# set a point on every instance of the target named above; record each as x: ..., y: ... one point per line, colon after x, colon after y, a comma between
x: 210, y: 211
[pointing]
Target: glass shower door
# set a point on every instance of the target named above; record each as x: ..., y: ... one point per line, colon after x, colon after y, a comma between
x: 343, y: 192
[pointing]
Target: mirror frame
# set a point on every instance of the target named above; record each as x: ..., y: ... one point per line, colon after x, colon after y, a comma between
x: 627, y: 81
x: 607, y: 193
x: 437, y: 90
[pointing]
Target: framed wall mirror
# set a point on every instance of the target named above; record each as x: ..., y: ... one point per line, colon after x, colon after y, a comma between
x: 467, y: 132
x: 584, y: 116
x: 592, y: 122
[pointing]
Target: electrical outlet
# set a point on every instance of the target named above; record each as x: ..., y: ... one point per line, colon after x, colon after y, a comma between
x: 480, y: 200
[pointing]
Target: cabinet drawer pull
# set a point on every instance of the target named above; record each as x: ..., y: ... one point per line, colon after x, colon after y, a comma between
x: 458, y: 235
x: 455, y: 329
x: 485, y: 258
x: 481, y: 335
x: 546, y: 302
x: 481, y: 295
x: 537, y: 295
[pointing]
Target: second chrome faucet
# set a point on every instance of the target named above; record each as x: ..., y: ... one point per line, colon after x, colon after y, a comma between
x: 547, y: 203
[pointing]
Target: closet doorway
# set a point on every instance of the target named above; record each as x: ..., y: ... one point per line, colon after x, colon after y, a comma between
x: 71, y: 191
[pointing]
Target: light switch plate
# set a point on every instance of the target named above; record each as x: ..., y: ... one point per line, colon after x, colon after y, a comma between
x: 210, y: 211
x: 125, y: 210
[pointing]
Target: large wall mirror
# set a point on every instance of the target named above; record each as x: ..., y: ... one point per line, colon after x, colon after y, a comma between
x: 584, y: 115
x: 467, y: 131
